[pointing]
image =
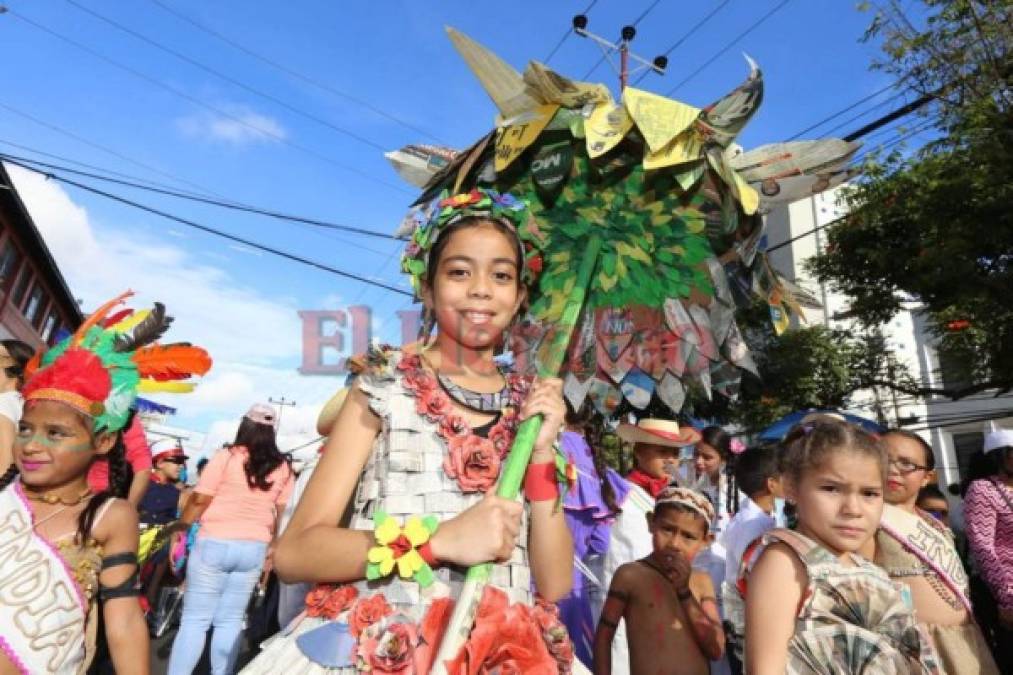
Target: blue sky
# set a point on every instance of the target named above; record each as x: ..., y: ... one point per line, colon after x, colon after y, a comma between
x: 393, y: 56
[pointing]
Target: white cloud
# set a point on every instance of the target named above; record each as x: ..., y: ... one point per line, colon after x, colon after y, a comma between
x: 243, y: 127
x: 255, y: 341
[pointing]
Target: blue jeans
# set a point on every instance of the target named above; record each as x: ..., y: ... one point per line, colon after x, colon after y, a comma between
x: 220, y: 577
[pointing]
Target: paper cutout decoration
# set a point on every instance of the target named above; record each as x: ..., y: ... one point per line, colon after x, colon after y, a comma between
x: 676, y: 206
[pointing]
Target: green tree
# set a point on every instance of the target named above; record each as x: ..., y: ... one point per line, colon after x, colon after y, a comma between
x: 936, y: 226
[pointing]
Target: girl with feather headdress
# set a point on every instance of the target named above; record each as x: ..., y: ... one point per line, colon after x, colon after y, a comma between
x: 62, y: 546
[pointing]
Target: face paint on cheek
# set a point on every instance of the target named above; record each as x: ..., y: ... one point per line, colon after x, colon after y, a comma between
x: 22, y: 441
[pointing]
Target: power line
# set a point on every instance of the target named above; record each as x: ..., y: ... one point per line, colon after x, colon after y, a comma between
x: 218, y: 233
x: 843, y: 110
x: 605, y: 52
x: 564, y: 37
x: 756, y: 24
x: 858, y: 116
x: 298, y: 75
x: 97, y: 146
x: 203, y: 104
x: 236, y: 206
x: 231, y: 80
x: 689, y: 33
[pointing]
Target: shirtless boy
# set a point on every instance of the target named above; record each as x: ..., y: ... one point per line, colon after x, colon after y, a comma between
x: 671, y: 614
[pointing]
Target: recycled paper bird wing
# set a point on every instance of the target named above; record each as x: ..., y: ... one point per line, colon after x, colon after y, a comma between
x: 676, y: 204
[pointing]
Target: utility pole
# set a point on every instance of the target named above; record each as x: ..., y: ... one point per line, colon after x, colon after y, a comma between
x: 622, y: 47
x: 281, y: 403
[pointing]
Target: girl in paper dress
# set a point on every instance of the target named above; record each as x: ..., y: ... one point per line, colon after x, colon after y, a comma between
x: 63, y: 548
x: 812, y: 604
x: 412, y: 460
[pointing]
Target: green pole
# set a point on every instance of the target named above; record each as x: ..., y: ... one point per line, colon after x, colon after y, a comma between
x: 520, y: 454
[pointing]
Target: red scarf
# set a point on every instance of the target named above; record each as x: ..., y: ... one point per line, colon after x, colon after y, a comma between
x: 650, y: 483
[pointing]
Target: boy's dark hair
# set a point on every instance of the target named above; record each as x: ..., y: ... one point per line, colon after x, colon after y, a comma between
x: 681, y: 508
x: 754, y: 466
x: 818, y: 436
x: 930, y: 457
x: 930, y: 491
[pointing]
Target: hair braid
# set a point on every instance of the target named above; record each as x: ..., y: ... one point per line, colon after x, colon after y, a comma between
x: 8, y: 477
x: 120, y: 476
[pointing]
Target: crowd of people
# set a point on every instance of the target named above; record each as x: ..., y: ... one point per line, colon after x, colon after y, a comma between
x: 829, y: 552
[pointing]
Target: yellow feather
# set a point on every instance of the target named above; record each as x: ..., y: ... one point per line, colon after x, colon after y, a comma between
x: 131, y: 321
x: 153, y: 386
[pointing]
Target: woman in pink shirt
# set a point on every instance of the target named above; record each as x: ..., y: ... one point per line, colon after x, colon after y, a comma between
x: 241, y: 493
x: 988, y: 512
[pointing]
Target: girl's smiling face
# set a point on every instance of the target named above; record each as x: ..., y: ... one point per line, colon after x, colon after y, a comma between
x: 474, y: 289
x: 54, y: 447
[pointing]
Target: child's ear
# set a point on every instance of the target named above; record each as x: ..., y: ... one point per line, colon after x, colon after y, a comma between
x: 104, y: 442
x: 930, y: 477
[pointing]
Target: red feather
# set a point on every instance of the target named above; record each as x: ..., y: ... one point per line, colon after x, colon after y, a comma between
x: 98, y: 315
x: 76, y: 370
x: 117, y: 317
x: 171, y: 362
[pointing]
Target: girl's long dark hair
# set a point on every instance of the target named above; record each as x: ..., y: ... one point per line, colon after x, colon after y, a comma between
x: 264, y: 455
x: 720, y: 440
x: 120, y: 477
x: 21, y: 353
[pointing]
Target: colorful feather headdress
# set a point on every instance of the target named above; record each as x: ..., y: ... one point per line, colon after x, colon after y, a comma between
x: 99, y: 369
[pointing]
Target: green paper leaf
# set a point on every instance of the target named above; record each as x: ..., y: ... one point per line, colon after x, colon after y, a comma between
x: 424, y: 576
x: 373, y: 571
x: 431, y: 523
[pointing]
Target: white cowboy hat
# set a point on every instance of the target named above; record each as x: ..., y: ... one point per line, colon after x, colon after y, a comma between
x: 658, y: 432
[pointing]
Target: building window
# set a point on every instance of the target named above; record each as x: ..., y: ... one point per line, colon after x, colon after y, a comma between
x: 35, y: 303
x: 10, y: 260
x: 965, y: 445
x: 49, y: 326
x: 21, y: 287
x: 954, y: 372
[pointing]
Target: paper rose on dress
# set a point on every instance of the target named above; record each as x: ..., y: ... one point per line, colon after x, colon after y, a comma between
x: 473, y: 461
x: 507, y: 639
x: 388, y: 646
x: 368, y: 611
x: 328, y: 601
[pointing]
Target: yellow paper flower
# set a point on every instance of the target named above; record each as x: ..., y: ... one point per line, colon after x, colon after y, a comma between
x: 398, y: 546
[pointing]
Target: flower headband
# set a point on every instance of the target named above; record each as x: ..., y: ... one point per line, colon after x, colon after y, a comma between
x: 426, y: 224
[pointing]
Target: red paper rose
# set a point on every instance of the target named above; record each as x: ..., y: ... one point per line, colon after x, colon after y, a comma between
x: 432, y: 403
x: 387, y: 647
x: 327, y: 600
x: 557, y: 640
x: 368, y: 611
x: 505, y: 641
x: 473, y: 461
x: 453, y: 425
x: 501, y: 436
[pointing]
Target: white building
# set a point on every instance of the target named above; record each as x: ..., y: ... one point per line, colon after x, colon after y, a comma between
x: 954, y: 428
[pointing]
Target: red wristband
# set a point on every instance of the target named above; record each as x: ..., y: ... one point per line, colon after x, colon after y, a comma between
x: 540, y: 482
x: 426, y: 551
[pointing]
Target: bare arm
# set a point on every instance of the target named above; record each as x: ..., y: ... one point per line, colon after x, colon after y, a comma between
x: 775, y: 589
x: 138, y: 486
x: 194, y: 508
x: 550, y: 546
x: 126, y: 630
x: 701, y: 609
x: 339, y: 554
x: 611, y: 614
